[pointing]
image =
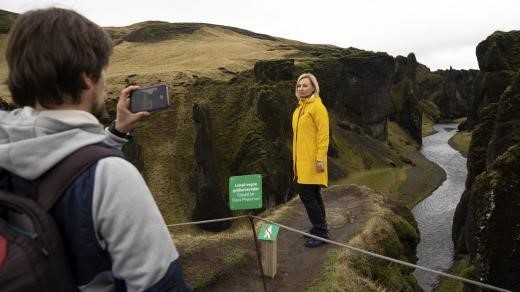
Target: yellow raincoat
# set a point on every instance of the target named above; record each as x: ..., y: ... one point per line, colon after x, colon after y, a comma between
x: 310, y: 123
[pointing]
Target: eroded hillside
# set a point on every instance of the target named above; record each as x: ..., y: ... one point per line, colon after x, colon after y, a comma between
x: 232, y: 96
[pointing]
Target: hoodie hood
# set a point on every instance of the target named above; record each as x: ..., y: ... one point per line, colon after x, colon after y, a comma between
x: 32, y: 142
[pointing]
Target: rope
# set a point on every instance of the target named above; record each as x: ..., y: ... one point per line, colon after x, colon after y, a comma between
x: 208, y: 221
x: 476, y: 283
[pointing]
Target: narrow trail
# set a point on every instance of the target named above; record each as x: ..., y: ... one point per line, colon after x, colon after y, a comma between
x: 299, y: 266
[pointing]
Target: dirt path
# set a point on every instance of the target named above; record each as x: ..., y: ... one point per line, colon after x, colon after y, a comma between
x: 299, y: 266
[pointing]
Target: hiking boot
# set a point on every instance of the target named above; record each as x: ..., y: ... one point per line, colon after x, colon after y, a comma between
x: 327, y: 235
x: 310, y: 232
x: 314, y: 242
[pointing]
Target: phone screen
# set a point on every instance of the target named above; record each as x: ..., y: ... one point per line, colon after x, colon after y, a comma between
x: 149, y: 98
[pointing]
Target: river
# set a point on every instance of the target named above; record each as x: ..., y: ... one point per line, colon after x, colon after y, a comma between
x: 434, y: 214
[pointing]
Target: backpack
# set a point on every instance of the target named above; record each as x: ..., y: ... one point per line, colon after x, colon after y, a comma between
x: 32, y: 254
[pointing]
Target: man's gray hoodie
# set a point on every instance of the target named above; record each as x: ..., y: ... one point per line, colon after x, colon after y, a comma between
x: 125, y: 217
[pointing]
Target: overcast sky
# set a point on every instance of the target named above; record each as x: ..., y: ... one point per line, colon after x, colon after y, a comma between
x: 440, y: 33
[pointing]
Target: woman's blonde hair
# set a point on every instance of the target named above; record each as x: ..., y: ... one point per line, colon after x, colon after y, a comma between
x: 313, y: 80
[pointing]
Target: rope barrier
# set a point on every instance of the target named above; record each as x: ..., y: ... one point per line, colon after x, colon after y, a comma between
x: 208, y: 221
x: 476, y: 283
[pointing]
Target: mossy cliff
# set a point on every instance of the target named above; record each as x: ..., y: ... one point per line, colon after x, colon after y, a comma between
x: 405, y: 96
x: 487, y: 219
x: 420, y: 96
x: 457, y: 88
x: 499, y: 59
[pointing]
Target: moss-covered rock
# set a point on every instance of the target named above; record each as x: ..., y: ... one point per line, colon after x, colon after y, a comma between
x: 487, y: 219
x: 405, y: 109
x: 274, y: 70
x: 507, y: 131
x: 456, y: 91
x: 499, y: 51
x: 464, y: 228
x: 249, y: 125
x: 355, y: 82
x: 478, y: 146
x: 210, y: 204
x: 392, y: 234
x: 489, y: 86
x: 497, y: 213
x: 430, y: 109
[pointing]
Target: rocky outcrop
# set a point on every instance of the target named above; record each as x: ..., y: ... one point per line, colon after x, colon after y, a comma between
x: 500, y: 51
x: 456, y: 91
x: 405, y: 97
x: 487, y: 219
x: 358, y: 86
x: 210, y: 203
x: 489, y: 86
x: 274, y: 70
x: 498, y: 58
x: 248, y: 125
x: 496, y: 196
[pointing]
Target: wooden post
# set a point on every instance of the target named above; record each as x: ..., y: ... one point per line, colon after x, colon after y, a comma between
x: 257, y: 251
x: 269, y: 259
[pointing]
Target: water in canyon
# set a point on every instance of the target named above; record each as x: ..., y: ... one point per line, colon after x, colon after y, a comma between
x: 434, y: 214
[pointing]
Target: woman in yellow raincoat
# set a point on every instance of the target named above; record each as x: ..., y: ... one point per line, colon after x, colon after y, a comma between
x: 310, y: 123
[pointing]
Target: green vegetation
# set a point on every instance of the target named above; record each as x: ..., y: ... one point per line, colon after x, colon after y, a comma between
x: 460, y: 142
x: 208, y: 274
x: 385, y: 233
x: 462, y: 268
x: 403, y: 182
x: 427, y: 126
x: 385, y: 180
x: 510, y: 54
x: 430, y: 115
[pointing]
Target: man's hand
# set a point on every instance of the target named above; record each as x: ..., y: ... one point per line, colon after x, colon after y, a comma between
x: 320, y: 166
x: 125, y: 119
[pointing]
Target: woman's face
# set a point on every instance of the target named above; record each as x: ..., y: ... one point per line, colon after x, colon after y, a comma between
x: 304, y: 88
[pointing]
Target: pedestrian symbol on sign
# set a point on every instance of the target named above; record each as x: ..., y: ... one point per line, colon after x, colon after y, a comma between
x: 268, y: 232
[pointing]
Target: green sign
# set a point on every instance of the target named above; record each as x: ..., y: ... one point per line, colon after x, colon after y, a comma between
x: 268, y: 232
x: 245, y: 192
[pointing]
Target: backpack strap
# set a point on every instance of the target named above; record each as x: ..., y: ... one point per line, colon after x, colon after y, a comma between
x: 54, y: 182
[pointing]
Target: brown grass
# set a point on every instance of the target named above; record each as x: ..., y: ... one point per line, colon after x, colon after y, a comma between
x: 385, y: 180
x: 460, y: 142
x: 200, y: 53
x: 427, y: 126
x: 4, y: 91
x: 347, y: 270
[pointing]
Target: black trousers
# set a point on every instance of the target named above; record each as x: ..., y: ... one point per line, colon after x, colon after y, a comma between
x: 310, y: 195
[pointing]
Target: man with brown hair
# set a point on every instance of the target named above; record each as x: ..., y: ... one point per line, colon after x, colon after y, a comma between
x: 115, y: 236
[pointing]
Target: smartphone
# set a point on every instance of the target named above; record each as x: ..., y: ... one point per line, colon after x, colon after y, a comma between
x: 150, y: 98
